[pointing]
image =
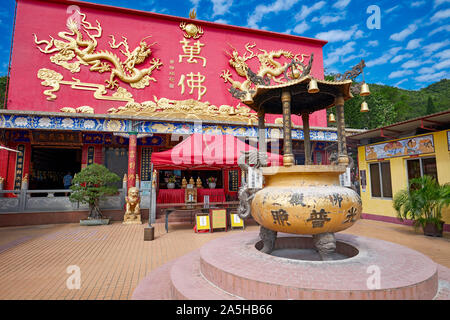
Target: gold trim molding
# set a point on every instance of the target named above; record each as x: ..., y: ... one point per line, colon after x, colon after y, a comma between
x: 187, y: 109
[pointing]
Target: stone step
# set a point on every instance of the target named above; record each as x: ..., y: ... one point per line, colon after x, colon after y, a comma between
x: 187, y: 283
x: 156, y: 286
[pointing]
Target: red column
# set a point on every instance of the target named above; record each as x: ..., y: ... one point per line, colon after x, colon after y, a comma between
x: 132, y: 148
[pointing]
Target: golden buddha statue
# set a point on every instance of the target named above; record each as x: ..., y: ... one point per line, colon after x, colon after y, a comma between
x: 184, y: 183
x: 199, y: 183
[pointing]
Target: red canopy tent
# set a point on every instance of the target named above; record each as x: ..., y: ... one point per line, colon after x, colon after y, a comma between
x: 206, y: 152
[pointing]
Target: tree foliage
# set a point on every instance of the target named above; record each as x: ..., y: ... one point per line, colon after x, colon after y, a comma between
x: 389, y: 105
x: 2, y: 91
x: 91, y: 184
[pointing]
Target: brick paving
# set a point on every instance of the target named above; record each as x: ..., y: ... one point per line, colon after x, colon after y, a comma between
x: 113, y: 259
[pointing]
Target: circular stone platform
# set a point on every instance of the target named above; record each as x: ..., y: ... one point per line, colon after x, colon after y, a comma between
x: 232, y: 267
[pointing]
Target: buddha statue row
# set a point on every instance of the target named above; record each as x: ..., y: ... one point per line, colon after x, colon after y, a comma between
x: 198, y: 183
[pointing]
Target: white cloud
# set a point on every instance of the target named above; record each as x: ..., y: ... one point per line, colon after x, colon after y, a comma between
x: 413, y: 44
x: 400, y: 36
x: 261, y: 10
x: 358, y: 34
x: 432, y: 77
x: 325, y: 20
x: 442, y: 28
x: 221, y: 21
x: 340, y: 35
x: 341, y: 4
x: 411, y: 64
x: 384, y: 58
x: 392, y: 9
x: 399, y: 74
x: 221, y: 7
x: 339, y: 53
x: 195, y: 3
x: 306, y: 11
x: 401, y: 57
x: 442, y: 65
x: 400, y: 82
x: 442, y: 14
x: 439, y: 2
x: 417, y: 4
x: 443, y: 54
x: 301, y: 27
x: 373, y: 43
x: 426, y: 70
x: 432, y: 47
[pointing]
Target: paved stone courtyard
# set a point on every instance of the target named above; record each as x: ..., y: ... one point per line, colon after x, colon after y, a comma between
x: 113, y: 259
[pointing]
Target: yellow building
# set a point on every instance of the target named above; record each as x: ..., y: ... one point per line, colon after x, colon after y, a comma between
x: 389, y: 157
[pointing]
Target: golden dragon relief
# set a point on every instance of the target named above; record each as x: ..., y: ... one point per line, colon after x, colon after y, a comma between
x: 73, y: 49
x: 269, y: 68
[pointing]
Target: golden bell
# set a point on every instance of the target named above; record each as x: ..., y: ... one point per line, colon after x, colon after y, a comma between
x: 364, y: 90
x: 364, y: 107
x: 248, y: 98
x: 312, y: 86
x: 331, y: 118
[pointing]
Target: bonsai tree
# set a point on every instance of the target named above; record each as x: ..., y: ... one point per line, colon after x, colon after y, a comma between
x: 422, y: 202
x: 92, y: 183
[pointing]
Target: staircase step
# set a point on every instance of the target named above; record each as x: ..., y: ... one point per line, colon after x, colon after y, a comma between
x: 187, y: 283
x: 156, y: 286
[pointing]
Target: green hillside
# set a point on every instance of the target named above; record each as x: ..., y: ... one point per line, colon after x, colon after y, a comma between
x: 389, y: 105
x: 2, y: 91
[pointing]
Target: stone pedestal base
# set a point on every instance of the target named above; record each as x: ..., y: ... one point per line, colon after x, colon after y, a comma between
x: 132, y: 219
x: 232, y: 267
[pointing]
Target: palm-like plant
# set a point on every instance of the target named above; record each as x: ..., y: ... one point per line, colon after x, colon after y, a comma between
x: 422, y: 202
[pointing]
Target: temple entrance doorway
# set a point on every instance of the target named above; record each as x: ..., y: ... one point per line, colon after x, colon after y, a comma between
x: 49, y: 165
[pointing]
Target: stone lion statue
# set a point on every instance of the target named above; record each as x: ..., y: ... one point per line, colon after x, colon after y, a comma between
x: 133, y: 210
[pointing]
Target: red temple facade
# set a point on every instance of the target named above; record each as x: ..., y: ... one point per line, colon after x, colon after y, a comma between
x: 90, y: 83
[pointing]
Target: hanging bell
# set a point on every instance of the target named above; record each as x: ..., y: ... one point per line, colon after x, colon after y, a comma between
x: 312, y: 86
x: 364, y: 90
x: 331, y: 118
x: 364, y: 107
x: 248, y: 98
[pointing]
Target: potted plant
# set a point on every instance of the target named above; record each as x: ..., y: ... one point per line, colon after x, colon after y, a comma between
x: 211, y: 182
x: 422, y: 202
x: 89, y: 186
x: 171, y: 182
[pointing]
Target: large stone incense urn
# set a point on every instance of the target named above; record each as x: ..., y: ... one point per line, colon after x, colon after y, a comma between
x: 302, y: 199
x: 305, y: 200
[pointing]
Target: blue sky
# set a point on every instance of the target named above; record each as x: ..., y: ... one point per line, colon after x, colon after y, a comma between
x: 407, y: 45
